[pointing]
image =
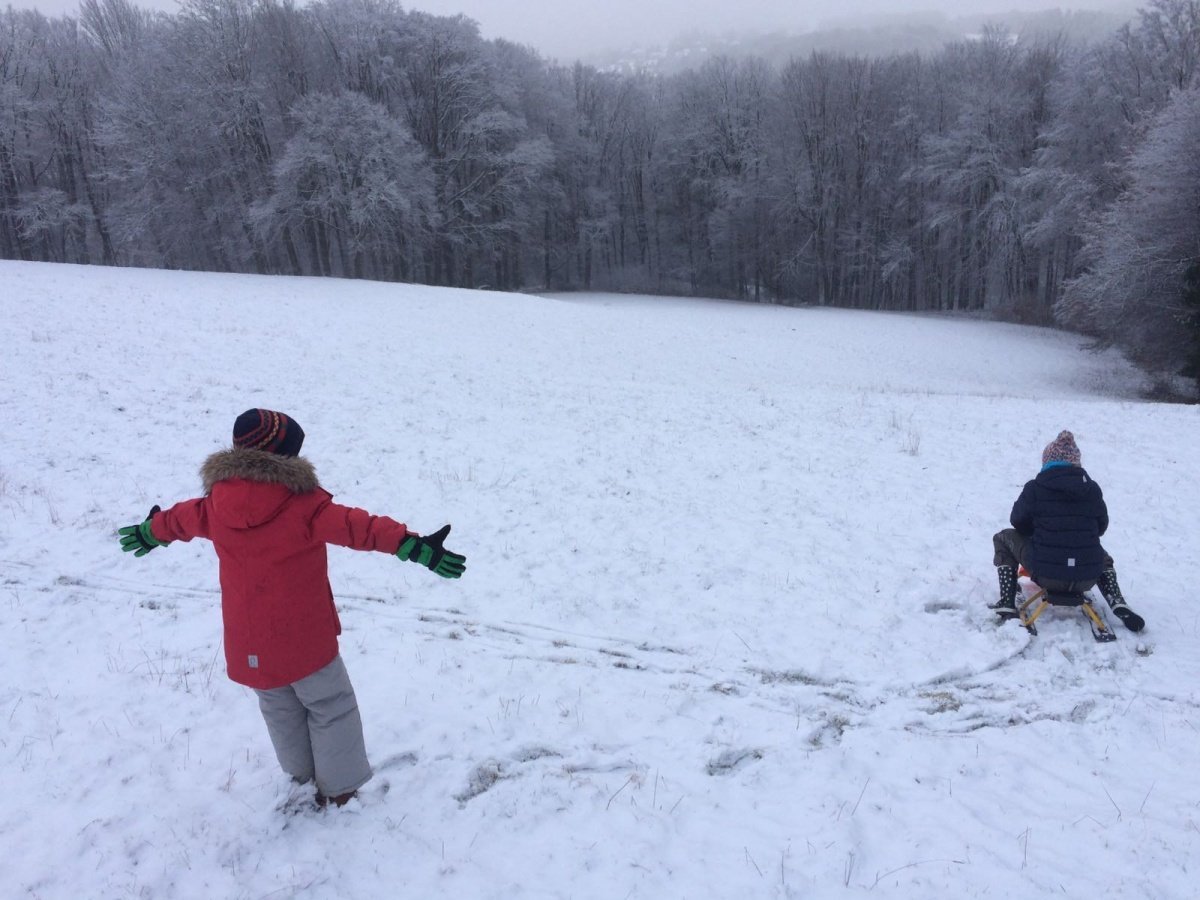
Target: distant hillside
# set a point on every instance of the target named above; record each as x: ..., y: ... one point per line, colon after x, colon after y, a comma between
x: 920, y: 33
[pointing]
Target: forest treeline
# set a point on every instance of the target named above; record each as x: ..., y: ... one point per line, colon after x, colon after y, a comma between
x: 1038, y: 179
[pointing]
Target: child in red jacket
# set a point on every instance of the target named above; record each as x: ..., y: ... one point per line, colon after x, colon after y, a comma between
x: 269, y: 520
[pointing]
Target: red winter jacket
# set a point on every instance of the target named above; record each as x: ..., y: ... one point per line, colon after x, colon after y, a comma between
x: 269, y: 520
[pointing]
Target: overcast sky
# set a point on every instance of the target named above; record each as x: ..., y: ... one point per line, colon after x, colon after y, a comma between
x: 564, y: 28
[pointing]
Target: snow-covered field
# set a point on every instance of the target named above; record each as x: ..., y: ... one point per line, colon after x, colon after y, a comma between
x: 722, y: 633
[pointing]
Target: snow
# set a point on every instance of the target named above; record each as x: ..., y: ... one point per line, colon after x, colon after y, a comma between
x: 722, y: 632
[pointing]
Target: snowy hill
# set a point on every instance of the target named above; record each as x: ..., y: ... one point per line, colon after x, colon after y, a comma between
x: 723, y: 629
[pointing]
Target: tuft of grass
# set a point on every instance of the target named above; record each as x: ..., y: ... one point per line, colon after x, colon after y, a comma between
x: 51, y: 507
x: 942, y: 701
x: 912, y: 442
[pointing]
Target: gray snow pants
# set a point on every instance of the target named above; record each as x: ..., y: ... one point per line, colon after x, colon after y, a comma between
x: 317, y: 731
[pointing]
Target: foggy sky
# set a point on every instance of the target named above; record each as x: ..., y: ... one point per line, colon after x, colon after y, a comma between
x: 563, y: 29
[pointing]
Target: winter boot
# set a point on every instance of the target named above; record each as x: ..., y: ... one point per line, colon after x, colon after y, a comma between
x: 1008, y: 591
x: 339, y: 800
x: 1112, y: 593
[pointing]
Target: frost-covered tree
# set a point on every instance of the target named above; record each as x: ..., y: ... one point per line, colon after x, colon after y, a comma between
x: 19, y: 147
x: 970, y: 169
x: 1073, y: 174
x: 728, y: 112
x: 1100, y: 108
x: 587, y: 221
x: 851, y: 129
x: 815, y: 133
x: 474, y: 144
x: 51, y: 205
x: 353, y: 185
x: 1146, y: 245
x: 1191, y: 302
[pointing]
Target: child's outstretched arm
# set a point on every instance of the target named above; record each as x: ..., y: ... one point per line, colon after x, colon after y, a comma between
x: 348, y: 526
x: 182, y: 522
x: 185, y: 520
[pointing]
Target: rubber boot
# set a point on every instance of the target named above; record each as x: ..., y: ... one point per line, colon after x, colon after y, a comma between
x: 1112, y: 593
x: 1110, y: 589
x: 1008, y: 590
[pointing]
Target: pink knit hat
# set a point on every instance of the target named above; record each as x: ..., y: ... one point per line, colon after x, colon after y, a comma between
x: 1062, y: 450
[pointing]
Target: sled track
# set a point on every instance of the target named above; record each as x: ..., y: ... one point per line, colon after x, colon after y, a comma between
x: 958, y: 701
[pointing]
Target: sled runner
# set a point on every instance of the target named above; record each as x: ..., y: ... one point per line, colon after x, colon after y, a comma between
x: 1031, y: 608
x: 1037, y: 603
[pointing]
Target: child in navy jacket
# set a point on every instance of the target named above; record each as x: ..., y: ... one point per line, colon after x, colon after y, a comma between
x: 1057, y: 523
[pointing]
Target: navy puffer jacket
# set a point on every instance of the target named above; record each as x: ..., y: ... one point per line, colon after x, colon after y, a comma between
x: 1063, y: 512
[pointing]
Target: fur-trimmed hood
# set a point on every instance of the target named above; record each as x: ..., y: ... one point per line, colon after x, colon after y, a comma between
x: 249, y: 488
x: 293, y: 472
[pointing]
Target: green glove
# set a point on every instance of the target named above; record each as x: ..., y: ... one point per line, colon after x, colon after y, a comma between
x: 429, y: 552
x: 139, y: 538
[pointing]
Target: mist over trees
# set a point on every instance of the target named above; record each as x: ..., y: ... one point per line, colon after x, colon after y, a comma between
x: 1038, y: 179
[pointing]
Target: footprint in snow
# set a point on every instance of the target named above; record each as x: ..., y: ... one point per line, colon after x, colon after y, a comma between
x: 482, y: 779
x: 485, y: 775
x: 937, y: 606
x: 397, y: 761
x: 731, y: 760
